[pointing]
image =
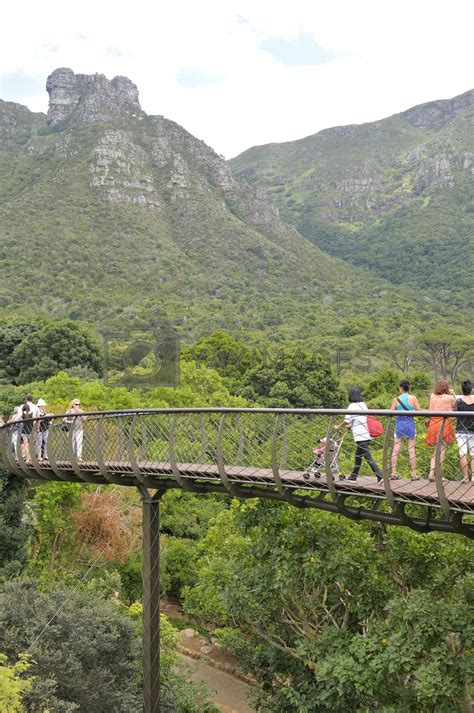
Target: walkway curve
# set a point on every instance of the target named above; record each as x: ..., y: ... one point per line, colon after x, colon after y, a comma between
x: 247, y: 453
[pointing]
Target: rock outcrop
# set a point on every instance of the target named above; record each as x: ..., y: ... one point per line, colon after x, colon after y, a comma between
x: 89, y: 97
x: 435, y: 115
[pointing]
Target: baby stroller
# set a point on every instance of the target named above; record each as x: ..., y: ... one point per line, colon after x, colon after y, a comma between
x: 318, y: 466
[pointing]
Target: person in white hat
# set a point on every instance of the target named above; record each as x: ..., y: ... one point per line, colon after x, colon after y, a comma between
x: 42, y: 429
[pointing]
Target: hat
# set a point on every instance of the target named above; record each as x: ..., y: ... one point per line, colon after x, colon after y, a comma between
x: 41, y: 402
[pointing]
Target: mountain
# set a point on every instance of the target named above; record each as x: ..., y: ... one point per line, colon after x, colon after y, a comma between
x: 395, y: 196
x: 110, y: 215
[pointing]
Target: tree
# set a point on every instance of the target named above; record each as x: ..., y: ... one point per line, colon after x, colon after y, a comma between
x: 222, y: 352
x: 447, y: 351
x: 14, y: 531
x: 86, y: 654
x: 297, y: 379
x: 403, y: 351
x: 13, y: 685
x: 56, y: 347
x: 336, y: 616
x: 12, y: 333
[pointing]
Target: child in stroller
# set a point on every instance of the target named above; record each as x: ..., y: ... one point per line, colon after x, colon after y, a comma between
x: 317, y: 467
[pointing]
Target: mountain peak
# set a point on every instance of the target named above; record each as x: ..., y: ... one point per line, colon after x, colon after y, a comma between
x: 90, y: 97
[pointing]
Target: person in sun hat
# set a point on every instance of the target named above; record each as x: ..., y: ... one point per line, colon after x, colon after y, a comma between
x: 77, y: 425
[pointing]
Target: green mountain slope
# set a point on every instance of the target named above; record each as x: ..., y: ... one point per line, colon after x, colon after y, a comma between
x: 395, y: 195
x: 117, y: 217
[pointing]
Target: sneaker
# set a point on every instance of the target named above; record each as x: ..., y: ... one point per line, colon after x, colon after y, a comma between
x: 351, y: 477
x: 379, y: 479
x: 414, y: 477
x: 394, y: 476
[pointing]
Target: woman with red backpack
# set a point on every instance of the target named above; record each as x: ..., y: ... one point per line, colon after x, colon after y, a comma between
x: 361, y: 434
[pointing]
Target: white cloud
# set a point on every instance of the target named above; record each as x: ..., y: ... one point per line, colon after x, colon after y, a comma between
x: 381, y: 58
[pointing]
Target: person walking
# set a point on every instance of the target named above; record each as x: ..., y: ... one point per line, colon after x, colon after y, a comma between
x: 443, y: 398
x: 360, y: 432
x: 42, y: 430
x: 76, y: 423
x: 405, y: 428
x: 465, y: 430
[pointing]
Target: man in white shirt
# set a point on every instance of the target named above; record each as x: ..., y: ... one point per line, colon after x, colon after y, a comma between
x: 34, y: 410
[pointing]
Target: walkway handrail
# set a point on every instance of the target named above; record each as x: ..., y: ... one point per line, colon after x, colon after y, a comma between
x: 247, y: 452
x: 257, y: 409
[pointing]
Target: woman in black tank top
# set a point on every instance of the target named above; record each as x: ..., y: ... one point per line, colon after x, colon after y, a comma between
x: 465, y: 430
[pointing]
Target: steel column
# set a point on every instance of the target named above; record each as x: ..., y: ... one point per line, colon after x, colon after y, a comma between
x: 151, y: 599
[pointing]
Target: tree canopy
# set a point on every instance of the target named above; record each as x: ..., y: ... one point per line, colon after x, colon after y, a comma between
x: 53, y: 348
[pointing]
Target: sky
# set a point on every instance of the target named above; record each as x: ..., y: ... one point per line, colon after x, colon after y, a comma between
x: 239, y: 73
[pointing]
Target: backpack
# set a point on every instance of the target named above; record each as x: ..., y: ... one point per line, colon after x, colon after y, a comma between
x: 44, y: 424
x: 374, y: 426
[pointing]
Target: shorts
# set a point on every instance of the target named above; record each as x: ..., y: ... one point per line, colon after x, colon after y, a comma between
x: 465, y: 443
x: 405, y: 427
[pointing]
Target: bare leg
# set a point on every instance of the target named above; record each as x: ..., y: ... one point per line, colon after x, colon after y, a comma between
x: 433, y: 460
x: 25, y: 451
x: 412, y: 456
x: 463, y: 464
x: 397, y: 444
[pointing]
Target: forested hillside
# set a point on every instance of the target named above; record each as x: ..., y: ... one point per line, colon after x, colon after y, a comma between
x: 120, y: 218
x: 395, y: 195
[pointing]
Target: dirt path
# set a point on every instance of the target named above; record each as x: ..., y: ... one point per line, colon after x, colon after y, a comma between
x: 227, y: 692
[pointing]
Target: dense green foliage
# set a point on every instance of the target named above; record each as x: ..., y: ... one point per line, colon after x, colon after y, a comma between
x: 13, y: 684
x: 55, y: 347
x: 84, y: 653
x: 296, y: 380
x: 14, y: 530
x: 328, y: 615
x: 86, y: 658
x: 337, y: 616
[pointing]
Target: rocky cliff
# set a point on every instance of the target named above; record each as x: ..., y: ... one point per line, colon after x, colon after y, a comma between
x: 89, y: 97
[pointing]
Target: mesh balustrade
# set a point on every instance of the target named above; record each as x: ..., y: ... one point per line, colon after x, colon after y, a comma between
x: 303, y: 457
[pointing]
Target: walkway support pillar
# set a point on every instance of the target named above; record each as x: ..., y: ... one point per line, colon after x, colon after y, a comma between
x: 151, y: 599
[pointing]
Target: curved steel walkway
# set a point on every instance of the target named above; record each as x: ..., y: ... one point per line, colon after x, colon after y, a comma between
x: 246, y: 453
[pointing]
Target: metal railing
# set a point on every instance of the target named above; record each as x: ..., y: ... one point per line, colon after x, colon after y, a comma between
x: 252, y: 453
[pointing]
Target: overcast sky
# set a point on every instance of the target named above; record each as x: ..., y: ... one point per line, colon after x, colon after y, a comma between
x: 237, y: 73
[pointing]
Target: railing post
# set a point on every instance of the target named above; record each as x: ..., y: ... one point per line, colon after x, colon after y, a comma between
x: 151, y: 599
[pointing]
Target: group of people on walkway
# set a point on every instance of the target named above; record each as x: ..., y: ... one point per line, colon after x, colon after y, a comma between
x: 24, y: 417
x: 27, y: 418
x: 443, y: 398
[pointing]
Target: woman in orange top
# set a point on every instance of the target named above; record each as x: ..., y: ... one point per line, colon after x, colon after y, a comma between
x: 442, y: 399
